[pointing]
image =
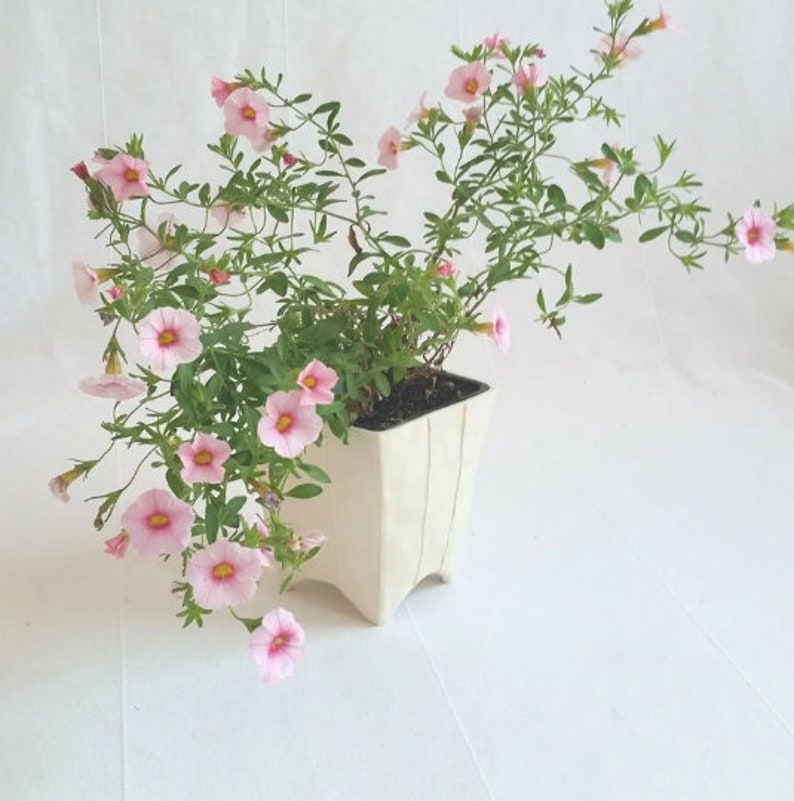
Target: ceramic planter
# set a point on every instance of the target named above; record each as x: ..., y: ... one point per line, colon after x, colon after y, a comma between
x: 397, y: 508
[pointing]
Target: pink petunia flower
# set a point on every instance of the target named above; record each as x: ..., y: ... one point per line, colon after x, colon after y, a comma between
x: 117, y: 546
x: 113, y: 385
x: 168, y: 337
x: 155, y: 251
x: 223, y: 574
x: 663, y: 22
x: 421, y: 112
x: 289, y: 160
x: 445, y: 270
x: 60, y: 484
x: 624, y: 48
x: 246, y: 114
x: 494, y: 45
x: 220, y: 90
x: 219, y: 277
x: 125, y: 176
x: 318, y: 382
x: 756, y: 231
x: 115, y: 292
x: 86, y: 283
x: 276, y: 645
x: 468, y: 82
x: 158, y: 523
x: 529, y: 76
x: 498, y: 329
x: 389, y: 146
x: 203, y: 459
x: 607, y: 167
x: 288, y: 426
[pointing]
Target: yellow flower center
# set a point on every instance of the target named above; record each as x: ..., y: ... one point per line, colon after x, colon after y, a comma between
x: 249, y: 113
x: 222, y: 571
x: 131, y: 175
x: 278, y: 642
x: 310, y: 382
x: 203, y: 457
x: 166, y: 338
x: 284, y: 422
x: 158, y: 520
x: 471, y: 86
x: 753, y: 235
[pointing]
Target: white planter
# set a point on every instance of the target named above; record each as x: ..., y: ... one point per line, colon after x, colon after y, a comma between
x: 397, y: 508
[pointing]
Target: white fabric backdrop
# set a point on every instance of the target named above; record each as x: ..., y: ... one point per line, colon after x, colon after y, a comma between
x: 653, y: 444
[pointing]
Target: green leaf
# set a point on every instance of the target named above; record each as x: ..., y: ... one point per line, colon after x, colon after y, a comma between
x: 232, y: 509
x: 304, y: 491
x: 317, y: 473
x: 593, y: 234
x: 652, y: 233
x: 278, y: 283
x: 556, y: 197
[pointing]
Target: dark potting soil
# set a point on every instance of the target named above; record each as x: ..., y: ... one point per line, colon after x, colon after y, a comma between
x: 420, y: 394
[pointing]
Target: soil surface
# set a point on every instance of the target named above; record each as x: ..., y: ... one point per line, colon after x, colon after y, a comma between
x: 420, y: 394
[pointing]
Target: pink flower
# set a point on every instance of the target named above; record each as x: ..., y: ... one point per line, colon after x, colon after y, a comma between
x: 115, y: 291
x: 314, y: 539
x: 203, y: 459
x: 168, y: 337
x: 158, y: 523
x: 421, y: 112
x: 445, y: 270
x: 265, y: 552
x: 220, y: 90
x: 223, y: 574
x: 117, y: 546
x: 663, y: 22
x: 113, y: 385
x: 389, y: 145
x: 219, y: 277
x: 81, y: 171
x: 624, y: 48
x: 607, y: 166
x: 756, y: 231
x: 473, y: 115
x: 494, y: 44
x: 318, y: 382
x: 125, y: 176
x: 289, y: 160
x: 498, y: 329
x: 227, y: 214
x: 276, y: 645
x: 288, y: 426
x: 86, y: 283
x: 152, y: 249
x: 61, y: 483
x: 246, y: 115
x: 529, y: 76
x: 467, y: 83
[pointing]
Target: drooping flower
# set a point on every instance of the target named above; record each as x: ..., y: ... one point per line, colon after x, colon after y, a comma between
x: 624, y: 48
x: 288, y: 426
x: 223, y: 574
x: 86, y: 283
x: 203, y: 459
x: 498, y: 329
x: 60, y: 484
x: 527, y: 76
x: 246, y: 114
x: 473, y: 115
x: 494, y: 45
x: 276, y: 645
x: 314, y: 539
x: 607, y: 167
x: 389, y: 146
x: 168, y: 337
x: 125, y: 176
x: 663, y: 22
x: 421, y: 112
x: 445, y: 270
x: 318, y: 382
x: 227, y: 214
x: 756, y: 231
x: 117, y: 386
x: 158, y: 523
x: 117, y: 546
x: 468, y: 82
x: 220, y: 90
x: 156, y: 251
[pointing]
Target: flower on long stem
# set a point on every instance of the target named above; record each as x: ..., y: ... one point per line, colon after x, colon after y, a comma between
x: 276, y: 646
x: 756, y: 231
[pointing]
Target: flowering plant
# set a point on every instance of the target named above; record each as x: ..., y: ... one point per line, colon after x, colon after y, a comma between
x: 246, y: 356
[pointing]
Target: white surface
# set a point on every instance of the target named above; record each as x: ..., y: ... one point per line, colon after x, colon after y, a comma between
x: 622, y: 626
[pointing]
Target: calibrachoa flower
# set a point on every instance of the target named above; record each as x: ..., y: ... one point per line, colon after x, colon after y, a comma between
x: 169, y: 337
x: 495, y: 43
x: 445, y: 270
x: 289, y: 160
x: 498, y: 329
x: 467, y: 83
x: 117, y: 546
x: 219, y: 277
x: 663, y: 22
x: 314, y: 539
x: 624, y: 48
x: 220, y: 90
x: 288, y: 426
x: 389, y: 145
x: 125, y: 176
x: 529, y: 76
x: 246, y: 114
x: 158, y: 523
x: 87, y: 280
x: 203, y: 459
x: 318, y: 382
x: 155, y: 251
x: 115, y: 291
x: 117, y: 386
x: 607, y: 167
x: 60, y: 484
x: 81, y: 171
x: 473, y: 116
x: 276, y: 645
x: 223, y: 574
x: 756, y: 231
x: 264, y: 551
x: 421, y: 112
x: 227, y: 214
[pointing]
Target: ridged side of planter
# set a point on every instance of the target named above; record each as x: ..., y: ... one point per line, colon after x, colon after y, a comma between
x: 398, y: 505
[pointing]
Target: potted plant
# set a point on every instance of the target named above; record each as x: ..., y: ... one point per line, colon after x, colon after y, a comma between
x: 234, y: 347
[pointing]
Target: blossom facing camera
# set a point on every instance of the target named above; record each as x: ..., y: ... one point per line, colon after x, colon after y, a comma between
x: 246, y: 114
x: 467, y: 83
x: 276, y: 646
x: 158, y: 523
x: 126, y: 176
x: 169, y: 337
x: 223, y: 574
x: 756, y: 231
x: 389, y: 146
x: 288, y: 426
x: 203, y: 459
x: 318, y: 382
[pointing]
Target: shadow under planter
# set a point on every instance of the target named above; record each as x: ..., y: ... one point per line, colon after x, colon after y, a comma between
x: 397, y: 508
